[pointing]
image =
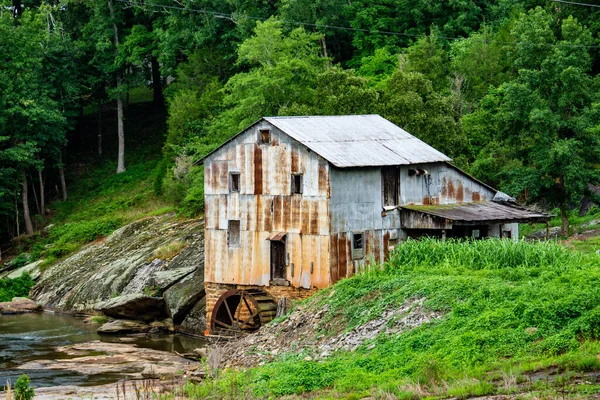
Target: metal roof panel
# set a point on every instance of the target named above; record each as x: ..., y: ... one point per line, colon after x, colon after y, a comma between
x: 480, y: 211
x: 357, y: 140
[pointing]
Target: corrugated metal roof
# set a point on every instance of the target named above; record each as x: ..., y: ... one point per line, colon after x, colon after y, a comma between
x: 480, y: 211
x: 357, y: 140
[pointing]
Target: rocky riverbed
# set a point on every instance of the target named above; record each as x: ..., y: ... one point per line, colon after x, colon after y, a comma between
x: 63, y: 351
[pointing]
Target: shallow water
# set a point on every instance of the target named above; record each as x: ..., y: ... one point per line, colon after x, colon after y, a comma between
x: 29, y: 337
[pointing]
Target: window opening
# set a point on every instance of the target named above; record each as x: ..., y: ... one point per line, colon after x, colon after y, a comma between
x: 297, y: 184
x: 358, y: 245
x: 391, y: 185
x: 234, y: 181
x: 507, y: 234
x: 233, y: 233
x: 264, y: 136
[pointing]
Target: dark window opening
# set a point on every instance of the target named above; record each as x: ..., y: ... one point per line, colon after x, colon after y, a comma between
x: 264, y: 136
x: 507, y: 234
x: 233, y: 233
x: 278, y: 262
x: 358, y: 245
x: 417, y: 172
x: 234, y: 182
x: 391, y: 186
x: 297, y: 184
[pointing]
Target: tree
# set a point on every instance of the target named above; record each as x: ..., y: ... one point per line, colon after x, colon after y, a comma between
x: 546, y: 121
x: 411, y: 102
x: 283, y: 69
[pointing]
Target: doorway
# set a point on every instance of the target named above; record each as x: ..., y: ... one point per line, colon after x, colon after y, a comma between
x: 278, y: 261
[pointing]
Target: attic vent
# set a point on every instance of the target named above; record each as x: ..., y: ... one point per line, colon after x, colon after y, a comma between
x: 264, y: 136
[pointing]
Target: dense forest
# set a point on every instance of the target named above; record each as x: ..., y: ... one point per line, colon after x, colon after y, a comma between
x: 507, y: 88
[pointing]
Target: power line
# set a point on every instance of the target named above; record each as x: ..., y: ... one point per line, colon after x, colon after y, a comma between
x: 576, y: 3
x: 345, y: 28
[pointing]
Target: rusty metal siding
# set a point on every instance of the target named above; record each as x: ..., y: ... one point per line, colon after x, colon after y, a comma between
x: 356, y: 206
x: 444, y: 185
x: 265, y: 205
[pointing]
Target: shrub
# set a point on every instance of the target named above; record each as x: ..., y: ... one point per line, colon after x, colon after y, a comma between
x: 17, y: 287
x: 22, y: 389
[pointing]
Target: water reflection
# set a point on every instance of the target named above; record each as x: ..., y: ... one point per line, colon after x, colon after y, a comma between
x: 30, y: 337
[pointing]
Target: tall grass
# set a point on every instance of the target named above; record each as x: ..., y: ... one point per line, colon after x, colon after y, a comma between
x: 507, y: 307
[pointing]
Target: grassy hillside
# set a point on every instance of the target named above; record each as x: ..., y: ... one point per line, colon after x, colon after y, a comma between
x: 101, y: 201
x: 514, y: 317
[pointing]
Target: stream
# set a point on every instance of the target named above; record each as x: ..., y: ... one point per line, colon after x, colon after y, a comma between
x: 30, y: 337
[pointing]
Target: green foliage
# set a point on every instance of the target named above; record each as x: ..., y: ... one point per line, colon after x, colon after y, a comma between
x: 504, y: 306
x: 22, y: 389
x: 17, y: 287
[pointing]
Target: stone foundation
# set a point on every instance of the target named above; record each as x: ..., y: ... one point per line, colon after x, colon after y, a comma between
x: 215, y: 290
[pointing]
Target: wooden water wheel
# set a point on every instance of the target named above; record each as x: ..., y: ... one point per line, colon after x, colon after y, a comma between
x: 243, y: 310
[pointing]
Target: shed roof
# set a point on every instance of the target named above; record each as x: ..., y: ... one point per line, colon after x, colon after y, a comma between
x: 488, y: 211
x: 357, y: 140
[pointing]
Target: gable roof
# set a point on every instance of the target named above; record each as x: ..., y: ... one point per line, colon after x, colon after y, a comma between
x: 357, y: 140
x: 354, y: 140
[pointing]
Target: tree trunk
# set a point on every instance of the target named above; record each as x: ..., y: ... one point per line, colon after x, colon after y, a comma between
x: 99, y: 128
x: 121, y: 129
x: 565, y: 221
x: 37, y: 203
x: 26, y: 216
x: 159, y: 98
x: 63, y: 183
x: 42, y: 194
x: 17, y: 8
x: 17, y: 216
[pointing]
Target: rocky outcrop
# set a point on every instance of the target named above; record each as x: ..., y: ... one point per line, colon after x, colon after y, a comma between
x: 184, y: 295
x: 120, y: 326
x: 127, y: 275
x: 133, y: 306
x: 19, y: 305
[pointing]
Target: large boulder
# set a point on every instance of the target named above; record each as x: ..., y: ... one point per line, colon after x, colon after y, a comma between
x: 181, y: 297
x: 195, y: 321
x: 121, y: 326
x: 125, y: 263
x: 134, y: 306
x: 19, y: 305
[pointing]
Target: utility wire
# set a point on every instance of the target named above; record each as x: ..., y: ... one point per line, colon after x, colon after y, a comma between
x: 345, y: 28
x: 574, y: 3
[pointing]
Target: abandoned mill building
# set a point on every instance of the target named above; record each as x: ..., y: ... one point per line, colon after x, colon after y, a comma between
x: 294, y: 204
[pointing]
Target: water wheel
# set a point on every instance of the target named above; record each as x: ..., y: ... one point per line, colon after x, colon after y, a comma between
x: 243, y: 310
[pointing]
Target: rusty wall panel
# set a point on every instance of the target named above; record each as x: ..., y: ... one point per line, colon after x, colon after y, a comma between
x: 445, y: 185
x: 267, y: 213
x: 314, y: 218
x: 295, y: 165
x: 323, y: 176
x: 343, y: 255
x: 305, y: 216
x: 324, y: 218
x: 334, y: 259
x: 258, y: 170
x: 377, y: 246
x: 296, y: 202
x: 286, y: 223
x: 321, y: 275
x: 277, y: 214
